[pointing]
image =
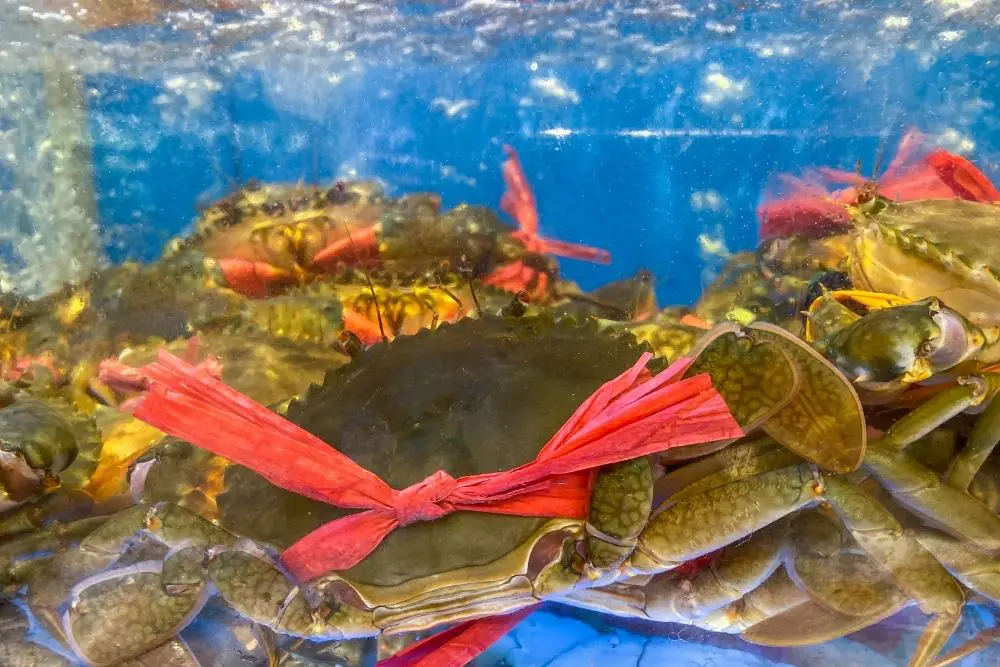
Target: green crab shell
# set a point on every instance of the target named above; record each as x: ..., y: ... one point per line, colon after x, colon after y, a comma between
x: 937, y: 247
x: 478, y: 396
x: 276, y: 199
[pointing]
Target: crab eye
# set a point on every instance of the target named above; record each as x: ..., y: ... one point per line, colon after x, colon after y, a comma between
x: 339, y: 194
x: 274, y: 208
x: 952, y: 345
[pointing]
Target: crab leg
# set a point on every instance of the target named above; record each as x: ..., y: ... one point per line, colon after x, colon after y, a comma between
x: 739, y: 461
x: 100, y: 549
x: 849, y: 591
x: 739, y: 569
x: 19, y: 553
x: 63, y: 506
x: 249, y: 579
x: 983, y: 439
x: 123, y: 613
x: 922, y: 491
x: 913, y: 568
x: 772, y: 599
x: 808, y: 622
x: 676, y: 598
x: 257, y: 589
x: 620, y: 503
x: 687, y: 528
x: 977, y: 570
x: 835, y: 574
x: 834, y: 590
x: 982, y: 641
x: 934, y: 412
x: 919, y: 488
x: 17, y: 648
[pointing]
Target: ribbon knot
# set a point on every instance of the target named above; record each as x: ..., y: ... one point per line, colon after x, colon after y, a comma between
x: 632, y: 415
x: 422, y: 501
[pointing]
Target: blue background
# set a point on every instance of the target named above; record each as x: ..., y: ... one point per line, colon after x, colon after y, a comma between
x: 631, y: 195
x: 617, y: 168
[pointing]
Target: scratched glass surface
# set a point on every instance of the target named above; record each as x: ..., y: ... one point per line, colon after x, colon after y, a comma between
x: 651, y: 129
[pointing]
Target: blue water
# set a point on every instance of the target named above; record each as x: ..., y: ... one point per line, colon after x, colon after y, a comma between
x: 557, y: 638
x: 604, y: 184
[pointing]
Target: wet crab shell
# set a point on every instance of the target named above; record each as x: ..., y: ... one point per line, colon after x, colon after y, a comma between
x: 256, y: 199
x: 474, y: 397
x: 934, y: 247
x: 45, y: 444
x: 261, y: 240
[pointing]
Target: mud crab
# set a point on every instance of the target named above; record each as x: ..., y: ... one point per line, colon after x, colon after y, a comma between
x: 785, y: 570
x: 269, y: 369
x: 748, y: 289
x: 930, y: 248
x: 899, y: 343
x: 60, y: 463
x: 380, y: 306
x: 376, y: 306
x: 453, y: 577
x: 71, y: 331
x: 623, y: 559
x: 265, y: 238
x: 130, y: 308
x: 421, y: 575
x: 933, y: 314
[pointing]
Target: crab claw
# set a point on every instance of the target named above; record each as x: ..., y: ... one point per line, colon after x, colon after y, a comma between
x: 518, y: 202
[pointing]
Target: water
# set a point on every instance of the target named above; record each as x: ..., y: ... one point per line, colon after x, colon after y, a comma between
x: 624, y: 112
x: 650, y: 129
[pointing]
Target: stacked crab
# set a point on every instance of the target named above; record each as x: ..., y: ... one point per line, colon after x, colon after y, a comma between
x: 901, y: 294
x: 68, y: 440
x: 451, y: 476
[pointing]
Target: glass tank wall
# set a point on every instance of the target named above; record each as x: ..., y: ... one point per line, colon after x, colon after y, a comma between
x: 797, y: 196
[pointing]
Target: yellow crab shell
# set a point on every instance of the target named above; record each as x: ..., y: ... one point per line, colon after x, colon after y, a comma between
x: 945, y: 248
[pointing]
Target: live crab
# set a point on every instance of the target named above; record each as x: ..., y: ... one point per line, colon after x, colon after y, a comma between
x: 262, y: 239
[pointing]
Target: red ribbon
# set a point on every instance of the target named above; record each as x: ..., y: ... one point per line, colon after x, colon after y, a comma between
x: 808, y: 208
x: 518, y: 202
x: 633, y: 415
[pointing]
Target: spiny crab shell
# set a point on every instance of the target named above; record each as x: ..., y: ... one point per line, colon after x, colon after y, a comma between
x: 269, y: 199
x: 931, y: 248
x: 478, y: 396
x: 264, y: 238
